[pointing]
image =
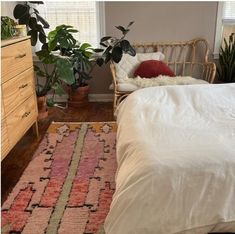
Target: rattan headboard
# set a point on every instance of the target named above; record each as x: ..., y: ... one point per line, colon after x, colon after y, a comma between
x: 188, y: 58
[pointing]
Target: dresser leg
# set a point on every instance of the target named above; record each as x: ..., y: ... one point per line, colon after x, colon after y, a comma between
x: 35, y: 129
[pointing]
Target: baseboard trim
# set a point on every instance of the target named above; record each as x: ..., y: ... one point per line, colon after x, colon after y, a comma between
x: 93, y: 97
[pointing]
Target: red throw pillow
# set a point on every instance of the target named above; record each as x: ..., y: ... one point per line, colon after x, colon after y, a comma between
x: 153, y: 68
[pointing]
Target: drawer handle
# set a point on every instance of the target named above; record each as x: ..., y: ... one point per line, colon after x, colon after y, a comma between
x: 20, y: 55
x: 25, y: 114
x: 23, y: 86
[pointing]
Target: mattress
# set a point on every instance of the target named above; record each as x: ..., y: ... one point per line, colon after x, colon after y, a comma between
x: 176, y: 161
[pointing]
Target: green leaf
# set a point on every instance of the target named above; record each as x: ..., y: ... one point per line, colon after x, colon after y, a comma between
x: 72, y: 30
x: 40, y: 29
x: 58, y: 89
x: 121, y: 28
x: 105, y: 38
x: 35, y: 11
x: 107, y: 50
x: 131, y: 51
x: 108, y: 58
x: 64, y: 43
x: 116, y: 54
x: 34, y: 37
x: 98, y: 50
x: 43, y: 21
x: 24, y: 19
x: 100, y: 61
x: 132, y: 22
x: 64, y: 69
x: 85, y: 46
x: 88, y: 54
x: 20, y: 10
x: 125, y: 45
x: 52, y: 34
x: 101, y: 43
x: 42, y: 38
x: 45, y: 46
x: 45, y: 56
x: 50, y: 102
x: 52, y: 44
x: 36, y: 2
x: 33, y: 23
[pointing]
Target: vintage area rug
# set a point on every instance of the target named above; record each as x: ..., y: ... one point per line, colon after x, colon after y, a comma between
x: 68, y: 186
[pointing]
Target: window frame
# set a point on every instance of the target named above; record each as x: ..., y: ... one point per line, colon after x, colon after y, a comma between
x: 100, y: 24
x: 219, y: 30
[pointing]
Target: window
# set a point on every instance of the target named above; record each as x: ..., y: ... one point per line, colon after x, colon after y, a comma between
x: 86, y: 16
x: 225, y: 23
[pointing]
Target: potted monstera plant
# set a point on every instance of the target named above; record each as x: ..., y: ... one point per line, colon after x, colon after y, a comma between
x: 55, y: 53
x: 226, y: 70
x: 79, y: 64
x: 82, y: 59
x: 28, y: 15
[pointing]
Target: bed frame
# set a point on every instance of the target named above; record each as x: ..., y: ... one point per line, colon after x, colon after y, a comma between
x: 188, y: 58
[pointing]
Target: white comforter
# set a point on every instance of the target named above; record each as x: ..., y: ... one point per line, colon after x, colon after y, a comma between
x: 176, y: 161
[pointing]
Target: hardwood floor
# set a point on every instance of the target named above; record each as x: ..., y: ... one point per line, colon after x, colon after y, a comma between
x: 17, y: 160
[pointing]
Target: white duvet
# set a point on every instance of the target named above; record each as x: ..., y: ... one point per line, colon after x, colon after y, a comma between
x: 176, y: 161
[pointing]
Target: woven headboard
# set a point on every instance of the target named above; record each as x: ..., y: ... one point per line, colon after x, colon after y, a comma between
x: 188, y: 58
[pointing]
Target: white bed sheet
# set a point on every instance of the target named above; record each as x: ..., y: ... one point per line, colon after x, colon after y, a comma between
x: 176, y: 161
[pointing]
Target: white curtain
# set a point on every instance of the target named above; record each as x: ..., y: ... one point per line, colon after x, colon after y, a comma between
x: 82, y: 15
x: 229, y: 12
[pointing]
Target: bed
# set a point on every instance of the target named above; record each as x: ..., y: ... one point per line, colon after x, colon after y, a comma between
x: 176, y: 161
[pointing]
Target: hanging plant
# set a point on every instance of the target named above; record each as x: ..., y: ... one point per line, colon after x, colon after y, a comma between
x: 25, y: 14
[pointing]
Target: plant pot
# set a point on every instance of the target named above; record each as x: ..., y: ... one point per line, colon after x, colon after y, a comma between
x: 78, y: 97
x: 42, y: 108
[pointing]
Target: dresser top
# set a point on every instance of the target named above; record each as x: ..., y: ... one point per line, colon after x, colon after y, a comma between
x: 13, y: 40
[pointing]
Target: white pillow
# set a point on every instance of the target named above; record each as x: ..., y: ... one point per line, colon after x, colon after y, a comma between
x: 128, y: 64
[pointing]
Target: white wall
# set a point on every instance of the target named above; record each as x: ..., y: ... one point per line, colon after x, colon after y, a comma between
x: 163, y: 21
x: 7, y: 8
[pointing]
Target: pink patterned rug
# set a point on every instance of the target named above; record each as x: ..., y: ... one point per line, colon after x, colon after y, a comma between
x: 68, y: 186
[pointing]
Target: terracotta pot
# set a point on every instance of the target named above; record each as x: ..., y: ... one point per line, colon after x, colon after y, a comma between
x: 42, y: 108
x: 78, y: 97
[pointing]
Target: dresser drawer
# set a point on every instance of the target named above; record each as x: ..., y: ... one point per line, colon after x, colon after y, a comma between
x: 16, y: 58
x: 4, y: 140
x: 17, y: 90
x: 19, y: 121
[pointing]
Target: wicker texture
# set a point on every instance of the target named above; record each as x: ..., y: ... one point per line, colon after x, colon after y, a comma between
x: 188, y: 58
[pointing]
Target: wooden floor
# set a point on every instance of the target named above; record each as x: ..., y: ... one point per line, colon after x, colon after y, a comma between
x: 19, y: 157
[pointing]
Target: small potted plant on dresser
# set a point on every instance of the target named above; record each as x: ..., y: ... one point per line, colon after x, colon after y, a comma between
x: 226, y: 70
x: 8, y: 29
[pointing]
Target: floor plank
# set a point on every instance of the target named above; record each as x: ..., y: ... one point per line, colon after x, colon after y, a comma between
x: 19, y: 157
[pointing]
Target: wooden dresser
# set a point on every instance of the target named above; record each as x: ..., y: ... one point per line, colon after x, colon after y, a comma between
x: 18, y: 99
